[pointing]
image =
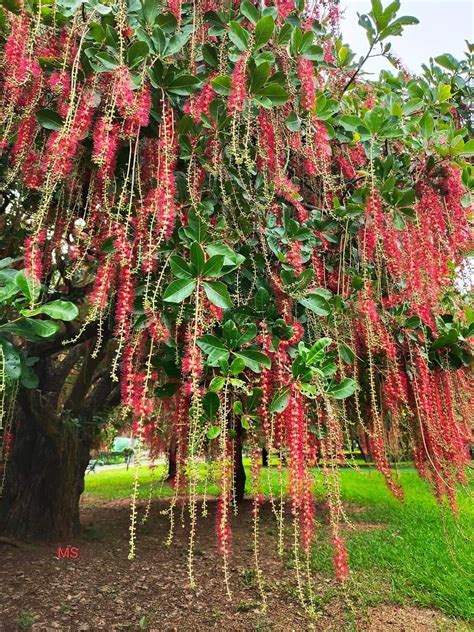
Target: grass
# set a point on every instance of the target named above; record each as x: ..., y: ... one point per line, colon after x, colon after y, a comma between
x: 412, y: 553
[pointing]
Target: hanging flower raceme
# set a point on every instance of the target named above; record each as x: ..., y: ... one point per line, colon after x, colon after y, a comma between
x: 305, y: 71
x: 238, y: 92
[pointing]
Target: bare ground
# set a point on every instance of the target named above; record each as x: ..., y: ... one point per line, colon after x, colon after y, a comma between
x: 103, y: 590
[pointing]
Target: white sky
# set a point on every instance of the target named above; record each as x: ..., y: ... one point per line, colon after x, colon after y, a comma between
x: 443, y: 27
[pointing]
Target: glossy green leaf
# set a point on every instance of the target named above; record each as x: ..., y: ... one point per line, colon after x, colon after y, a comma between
x: 197, y: 257
x: 177, y: 291
x: 239, y: 36
x: 217, y: 293
x: 180, y: 267
x: 213, y: 432
x: 280, y: 400
x: 263, y: 31
x: 11, y: 360
x: 29, y: 287
x: 317, y: 304
x: 49, y: 119
x: 344, y: 389
x: 254, y: 360
x: 213, y: 266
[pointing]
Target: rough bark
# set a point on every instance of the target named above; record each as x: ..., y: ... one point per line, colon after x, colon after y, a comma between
x: 45, y: 479
x: 53, y: 432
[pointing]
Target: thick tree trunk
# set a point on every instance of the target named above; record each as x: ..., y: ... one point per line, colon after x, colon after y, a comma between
x: 45, y: 479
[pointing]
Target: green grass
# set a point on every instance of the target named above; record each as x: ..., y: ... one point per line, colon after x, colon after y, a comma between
x: 419, y: 554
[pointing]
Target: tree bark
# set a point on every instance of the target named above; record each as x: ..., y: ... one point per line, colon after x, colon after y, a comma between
x: 44, y: 481
x: 239, y: 470
x: 53, y: 433
x: 172, y: 463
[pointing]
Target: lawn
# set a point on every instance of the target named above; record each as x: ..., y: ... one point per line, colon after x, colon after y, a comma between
x: 411, y: 553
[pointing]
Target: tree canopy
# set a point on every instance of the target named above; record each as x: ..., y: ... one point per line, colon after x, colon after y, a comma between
x: 258, y: 243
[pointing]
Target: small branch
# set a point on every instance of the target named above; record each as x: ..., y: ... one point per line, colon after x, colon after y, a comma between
x: 357, y: 70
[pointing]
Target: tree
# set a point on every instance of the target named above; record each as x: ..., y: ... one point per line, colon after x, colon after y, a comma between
x: 272, y: 238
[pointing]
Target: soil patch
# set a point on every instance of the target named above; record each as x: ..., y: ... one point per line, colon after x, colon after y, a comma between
x: 101, y: 589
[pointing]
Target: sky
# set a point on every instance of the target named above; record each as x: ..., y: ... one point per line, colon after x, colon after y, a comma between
x: 444, y: 27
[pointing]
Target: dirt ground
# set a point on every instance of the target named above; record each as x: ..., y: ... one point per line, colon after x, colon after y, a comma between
x: 102, y: 590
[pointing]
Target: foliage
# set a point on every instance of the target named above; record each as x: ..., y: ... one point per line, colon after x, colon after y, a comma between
x: 268, y: 239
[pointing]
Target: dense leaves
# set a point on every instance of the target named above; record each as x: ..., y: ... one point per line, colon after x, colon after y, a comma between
x: 269, y: 239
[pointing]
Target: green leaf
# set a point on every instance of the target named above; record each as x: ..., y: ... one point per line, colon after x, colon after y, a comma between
x: 231, y: 258
x: 176, y: 43
x: 377, y: 11
x: 293, y: 123
x: 137, y: 53
x: 183, y: 85
x: 239, y: 36
x: 280, y: 400
x: 263, y: 31
x: 180, y: 267
x: 349, y: 122
x: 250, y: 11
x: 43, y: 328
x: 426, y: 125
x: 213, y: 432
x: 273, y: 91
x: 222, y: 85
x: 259, y: 76
x: 28, y: 377
x: 177, y: 291
x: 309, y: 390
x: 213, y: 347
x: 317, y: 304
x: 107, y: 61
x: 216, y: 384
x: 253, y: 401
x: 262, y: 299
x: 447, y: 61
x: 245, y: 423
x: 150, y: 10
x: 314, y: 53
x: 344, y: 389
x: 28, y: 286
x: 210, y: 404
x: 62, y: 310
x: 343, y: 54
x: 213, y: 266
x: 347, y: 354
x: 209, y: 54
x: 254, y: 360
x: 237, y: 366
x: 8, y: 291
x: 468, y: 149
x: 49, y: 119
x: 217, y: 293
x: 197, y: 257
x: 317, y: 350
x: 11, y: 359
x: 247, y: 336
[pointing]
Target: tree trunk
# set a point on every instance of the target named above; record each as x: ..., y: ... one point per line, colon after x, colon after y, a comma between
x: 264, y: 457
x: 239, y: 470
x: 44, y: 481
x: 172, y: 464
